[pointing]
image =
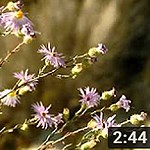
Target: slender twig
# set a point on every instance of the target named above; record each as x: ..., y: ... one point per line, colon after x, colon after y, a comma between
x: 2, y: 129
x: 68, y: 134
x: 18, y: 126
x: 78, y: 114
x: 9, y: 53
x: 66, y: 146
x: 125, y: 122
x: 99, y: 110
x: 47, y: 139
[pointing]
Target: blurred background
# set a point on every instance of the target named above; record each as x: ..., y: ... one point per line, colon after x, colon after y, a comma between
x: 74, y: 26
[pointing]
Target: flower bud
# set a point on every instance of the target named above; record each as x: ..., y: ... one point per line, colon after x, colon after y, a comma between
x: 77, y: 69
x: 138, y: 118
x: 106, y: 95
x: 88, y: 145
x: 66, y: 114
x: 93, y: 52
x: 104, y: 133
x: 114, y: 107
x: 13, y: 6
x: 27, y: 39
x: 92, y: 124
x: 10, y: 6
x: 23, y: 90
x: 24, y: 127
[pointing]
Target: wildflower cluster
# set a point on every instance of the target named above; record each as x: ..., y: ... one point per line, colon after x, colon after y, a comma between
x: 13, y: 21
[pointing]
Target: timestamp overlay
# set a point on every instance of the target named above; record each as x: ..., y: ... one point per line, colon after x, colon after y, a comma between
x: 129, y: 137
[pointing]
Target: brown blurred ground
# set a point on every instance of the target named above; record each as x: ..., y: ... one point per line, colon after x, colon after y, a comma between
x: 73, y: 26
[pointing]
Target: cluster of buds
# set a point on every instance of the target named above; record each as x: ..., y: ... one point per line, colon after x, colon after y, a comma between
x: 95, y: 51
x: 14, y: 21
x: 138, y: 118
x: 89, y: 58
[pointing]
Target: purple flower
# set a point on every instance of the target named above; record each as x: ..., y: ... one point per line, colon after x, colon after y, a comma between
x: 111, y: 122
x: 9, y: 98
x: 42, y: 115
x: 124, y: 103
x: 58, y: 119
x: 27, y: 79
x: 99, y: 120
x: 13, y: 22
x: 44, y: 118
x: 102, y: 48
x: 52, y: 57
x: 90, y: 98
x: 27, y: 29
x: 103, y: 124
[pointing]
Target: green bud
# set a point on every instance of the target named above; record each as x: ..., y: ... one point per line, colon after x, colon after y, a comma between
x: 138, y: 118
x: 114, y: 107
x: 10, y: 6
x: 92, y: 124
x: 134, y: 119
x: 104, y: 134
x: 23, y: 90
x: 93, y: 52
x: 106, y: 95
x: 66, y: 114
x: 24, y: 126
x: 27, y: 39
x: 77, y: 69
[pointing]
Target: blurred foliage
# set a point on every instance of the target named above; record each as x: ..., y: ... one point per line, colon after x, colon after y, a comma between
x: 74, y: 26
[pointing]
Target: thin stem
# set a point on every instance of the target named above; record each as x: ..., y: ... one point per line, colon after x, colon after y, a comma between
x: 47, y: 139
x: 1, y: 131
x: 66, y: 146
x: 18, y: 126
x: 99, y: 110
x: 41, y: 71
x: 63, y: 138
x: 75, y: 58
x: 9, y: 53
x: 69, y: 134
x: 125, y: 122
x: 78, y: 114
